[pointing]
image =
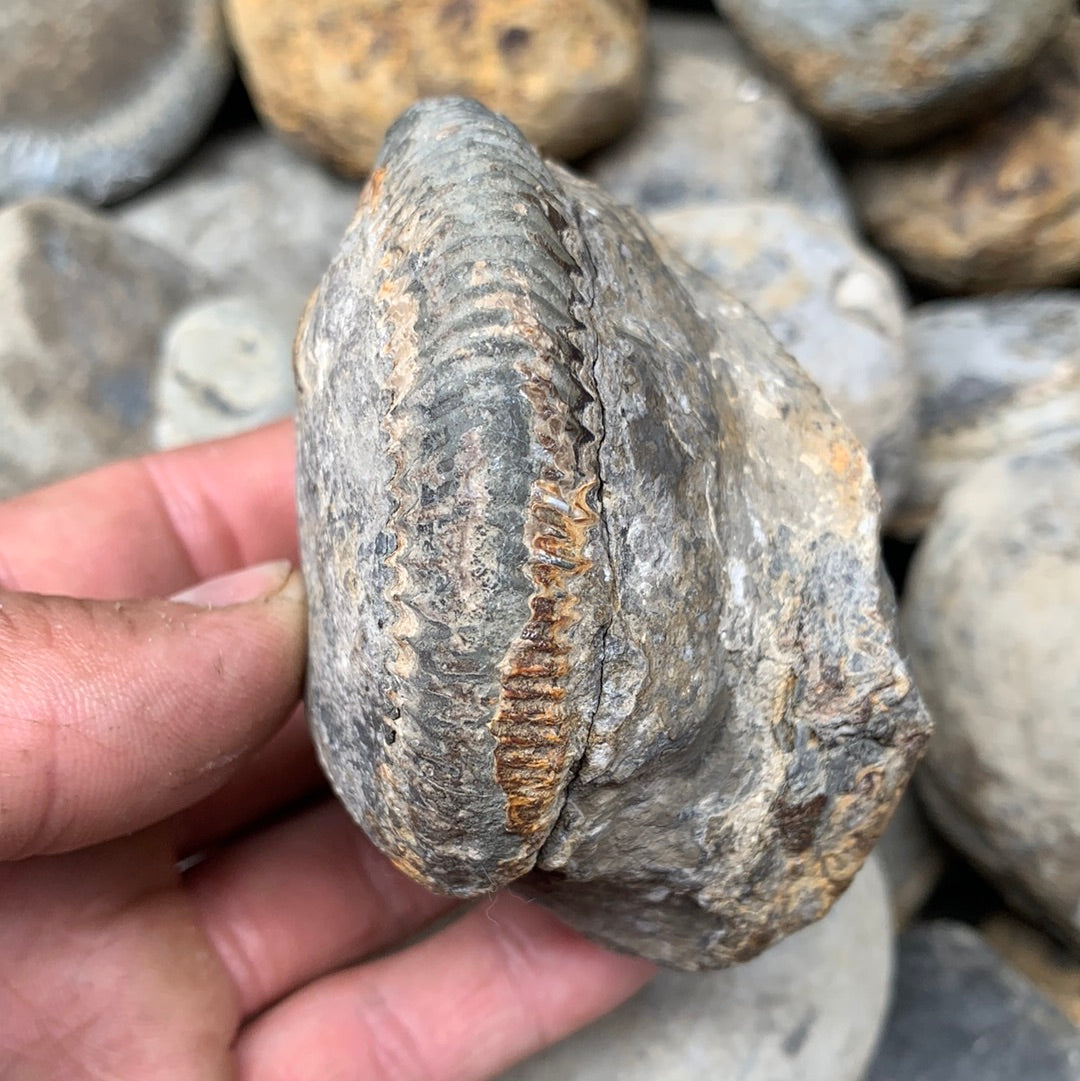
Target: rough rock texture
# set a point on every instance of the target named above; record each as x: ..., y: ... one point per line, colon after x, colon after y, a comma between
x: 257, y: 218
x: 82, y: 305
x: 715, y: 127
x: 836, y: 307
x: 593, y: 570
x: 225, y: 368
x: 888, y: 72
x: 996, y: 206
x: 990, y: 619
x: 960, y: 1014
x: 809, y: 1009
x: 998, y: 375
x: 912, y: 858
x: 1051, y: 968
x: 333, y: 74
x: 98, y: 97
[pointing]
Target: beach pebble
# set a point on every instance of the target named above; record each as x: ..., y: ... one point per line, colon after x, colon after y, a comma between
x: 961, y: 1014
x: 254, y: 216
x: 889, y: 72
x: 997, y: 375
x: 226, y: 367
x: 990, y: 621
x: 912, y: 858
x: 82, y: 307
x: 332, y: 75
x: 809, y: 1008
x: 835, y: 306
x: 99, y: 97
x: 997, y: 205
x: 714, y: 127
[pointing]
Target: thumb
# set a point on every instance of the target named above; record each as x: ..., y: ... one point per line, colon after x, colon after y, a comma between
x: 116, y: 714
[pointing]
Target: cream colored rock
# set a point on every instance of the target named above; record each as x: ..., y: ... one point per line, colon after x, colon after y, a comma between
x: 996, y: 206
x: 332, y: 75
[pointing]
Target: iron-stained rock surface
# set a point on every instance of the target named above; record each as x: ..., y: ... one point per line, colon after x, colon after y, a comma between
x: 593, y: 570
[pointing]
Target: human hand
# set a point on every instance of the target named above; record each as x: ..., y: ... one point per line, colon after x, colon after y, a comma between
x: 135, y: 735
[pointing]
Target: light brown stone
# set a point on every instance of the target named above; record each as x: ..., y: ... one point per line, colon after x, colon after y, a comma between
x: 997, y: 206
x: 334, y: 74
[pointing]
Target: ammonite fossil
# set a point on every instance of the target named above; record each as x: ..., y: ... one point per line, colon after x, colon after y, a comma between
x: 596, y: 606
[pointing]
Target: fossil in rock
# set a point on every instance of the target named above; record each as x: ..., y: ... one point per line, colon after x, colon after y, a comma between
x: 596, y: 604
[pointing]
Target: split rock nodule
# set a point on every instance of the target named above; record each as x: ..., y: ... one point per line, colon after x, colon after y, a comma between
x: 596, y: 606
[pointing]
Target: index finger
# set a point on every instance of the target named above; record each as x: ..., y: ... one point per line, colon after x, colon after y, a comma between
x: 153, y: 525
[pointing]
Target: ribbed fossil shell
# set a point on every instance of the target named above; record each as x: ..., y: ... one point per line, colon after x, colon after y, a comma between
x: 593, y: 571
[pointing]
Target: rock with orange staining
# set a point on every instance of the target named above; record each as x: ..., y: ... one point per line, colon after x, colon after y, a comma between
x: 596, y: 605
x: 332, y: 76
x: 997, y: 205
x: 891, y: 72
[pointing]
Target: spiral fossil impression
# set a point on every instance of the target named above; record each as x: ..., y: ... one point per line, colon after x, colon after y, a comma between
x: 595, y: 598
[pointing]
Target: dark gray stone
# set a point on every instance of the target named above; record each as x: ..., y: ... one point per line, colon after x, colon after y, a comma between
x: 98, y: 97
x: 961, y: 1014
x: 714, y: 127
x: 82, y: 307
x: 808, y: 1009
x: 990, y: 619
x: 593, y: 569
x: 890, y: 72
x: 997, y: 375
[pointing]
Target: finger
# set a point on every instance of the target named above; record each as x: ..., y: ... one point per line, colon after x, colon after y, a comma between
x: 151, y: 526
x: 105, y: 974
x: 278, y: 774
x: 504, y: 981
x: 116, y: 714
x: 301, y: 899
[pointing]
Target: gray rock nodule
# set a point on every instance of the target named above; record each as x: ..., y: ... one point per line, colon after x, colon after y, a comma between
x: 596, y: 602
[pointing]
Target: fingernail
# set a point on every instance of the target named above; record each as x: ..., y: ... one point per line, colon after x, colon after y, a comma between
x: 240, y: 587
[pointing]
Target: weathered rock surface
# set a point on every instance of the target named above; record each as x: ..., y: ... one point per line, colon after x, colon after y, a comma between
x: 82, y: 306
x: 836, y: 307
x: 912, y: 858
x: 332, y: 75
x: 888, y: 72
x: 990, y: 619
x: 810, y: 1009
x: 226, y: 367
x: 960, y: 1014
x: 98, y: 97
x: 1049, y: 966
x: 996, y: 206
x: 998, y: 375
x: 593, y: 569
x: 714, y: 126
x: 256, y: 218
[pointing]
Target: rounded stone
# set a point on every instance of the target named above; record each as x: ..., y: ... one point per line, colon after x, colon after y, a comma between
x: 715, y: 127
x: 82, y: 306
x: 835, y: 306
x: 913, y: 859
x: 997, y: 375
x: 99, y: 97
x: 226, y: 367
x: 258, y: 219
x: 961, y: 1014
x: 888, y: 72
x: 990, y: 620
x: 996, y: 206
x: 332, y: 75
x: 810, y: 1008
